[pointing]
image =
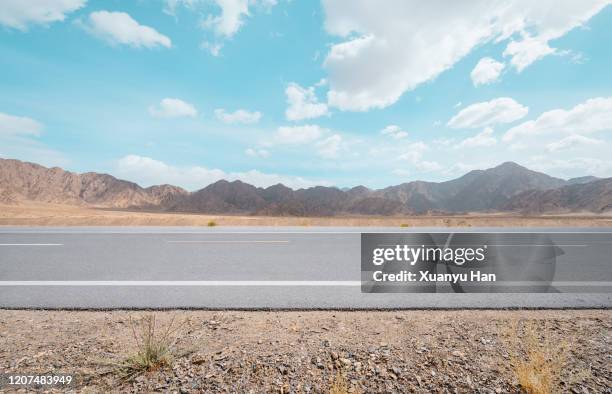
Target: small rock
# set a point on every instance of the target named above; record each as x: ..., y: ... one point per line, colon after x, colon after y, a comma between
x: 220, y: 356
x: 198, y: 359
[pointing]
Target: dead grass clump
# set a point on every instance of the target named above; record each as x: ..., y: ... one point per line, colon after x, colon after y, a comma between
x: 212, y: 223
x: 339, y: 385
x: 154, y: 350
x: 537, y: 361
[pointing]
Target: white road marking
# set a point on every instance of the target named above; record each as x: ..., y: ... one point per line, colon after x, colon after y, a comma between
x: 534, y: 283
x: 178, y: 283
x: 31, y: 244
x: 230, y: 242
x: 267, y: 283
x: 543, y: 245
x: 446, y: 245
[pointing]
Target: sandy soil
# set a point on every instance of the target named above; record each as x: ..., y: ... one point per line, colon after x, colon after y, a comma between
x: 404, y: 351
x: 40, y: 214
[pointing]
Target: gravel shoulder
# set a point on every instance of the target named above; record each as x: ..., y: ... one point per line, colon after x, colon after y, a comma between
x: 233, y: 351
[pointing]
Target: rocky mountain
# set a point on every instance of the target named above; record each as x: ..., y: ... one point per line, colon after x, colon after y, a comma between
x: 22, y: 181
x: 507, y: 187
x: 479, y: 190
x: 595, y: 196
x: 581, y: 180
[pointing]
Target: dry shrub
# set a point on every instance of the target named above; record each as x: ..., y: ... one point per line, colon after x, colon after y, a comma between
x: 212, y: 223
x: 537, y: 360
x: 154, y: 349
x: 339, y: 385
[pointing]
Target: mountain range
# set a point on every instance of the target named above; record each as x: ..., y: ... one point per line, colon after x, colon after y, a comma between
x: 508, y: 187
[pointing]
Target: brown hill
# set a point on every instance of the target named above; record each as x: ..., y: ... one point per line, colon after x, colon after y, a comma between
x: 593, y: 196
x: 479, y: 190
x: 508, y: 186
x: 22, y: 181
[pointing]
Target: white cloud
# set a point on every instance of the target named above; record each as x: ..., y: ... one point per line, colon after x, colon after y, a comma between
x: 527, y: 51
x: 18, y: 139
x: 226, y: 20
x: 329, y: 147
x: 571, y: 142
x: 239, y: 116
x: 591, y: 116
x: 460, y: 168
x: 231, y: 18
x: 484, y: 138
x: 443, y: 141
x: 394, y: 131
x: 400, y: 172
x: 572, y: 167
x: 17, y: 125
x: 413, y: 152
x: 411, y: 156
x: 303, y: 103
x: 254, y: 152
x: 428, y: 166
x: 171, y: 6
x: 18, y: 14
x: 120, y: 28
x: 488, y: 113
x: 294, y: 135
x: 393, y: 47
x: 213, y: 48
x: 267, y: 4
x: 487, y: 70
x: 32, y: 150
x: 316, y: 137
x: 173, y: 108
x: 147, y: 171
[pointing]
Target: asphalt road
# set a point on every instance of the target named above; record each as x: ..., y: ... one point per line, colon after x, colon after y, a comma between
x: 238, y: 268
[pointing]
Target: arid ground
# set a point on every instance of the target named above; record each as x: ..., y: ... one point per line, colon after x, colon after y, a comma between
x: 318, y: 351
x: 403, y: 351
x: 42, y: 214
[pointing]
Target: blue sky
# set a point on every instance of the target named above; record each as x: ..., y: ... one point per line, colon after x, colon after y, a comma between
x: 304, y: 92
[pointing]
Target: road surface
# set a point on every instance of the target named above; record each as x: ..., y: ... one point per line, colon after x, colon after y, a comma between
x: 232, y: 268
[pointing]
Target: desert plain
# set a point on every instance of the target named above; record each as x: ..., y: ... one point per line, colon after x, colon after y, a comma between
x: 47, y: 214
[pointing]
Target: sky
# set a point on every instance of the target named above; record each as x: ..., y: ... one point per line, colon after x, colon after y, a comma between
x: 336, y: 93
